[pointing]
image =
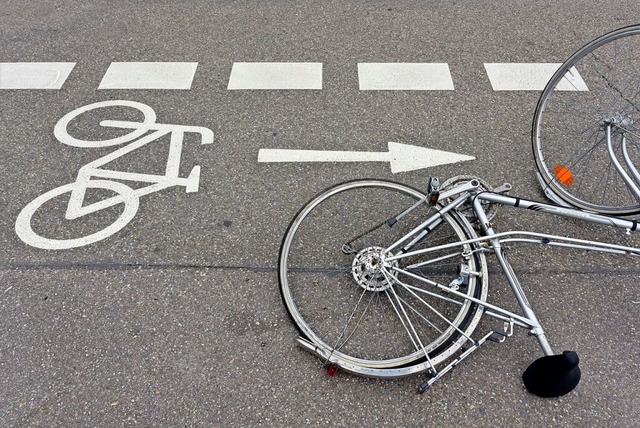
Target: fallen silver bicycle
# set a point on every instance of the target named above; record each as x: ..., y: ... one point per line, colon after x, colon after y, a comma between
x: 384, y: 280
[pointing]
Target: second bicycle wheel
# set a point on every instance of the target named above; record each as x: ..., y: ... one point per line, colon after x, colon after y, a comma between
x: 368, y: 315
x: 597, y: 86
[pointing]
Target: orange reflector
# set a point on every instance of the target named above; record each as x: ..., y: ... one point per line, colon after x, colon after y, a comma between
x: 563, y: 174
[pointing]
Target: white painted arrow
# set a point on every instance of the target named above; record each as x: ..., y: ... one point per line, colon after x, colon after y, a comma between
x: 402, y: 157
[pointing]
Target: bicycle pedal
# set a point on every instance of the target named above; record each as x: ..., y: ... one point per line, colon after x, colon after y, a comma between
x: 433, y: 198
x: 498, y: 336
x: 434, y: 190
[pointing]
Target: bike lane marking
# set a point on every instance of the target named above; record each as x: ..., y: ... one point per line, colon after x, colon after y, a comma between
x: 531, y: 77
x: 93, y: 176
x: 404, y: 77
x: 275, y: 75
x: 34, y: 75
x: 149, y: 75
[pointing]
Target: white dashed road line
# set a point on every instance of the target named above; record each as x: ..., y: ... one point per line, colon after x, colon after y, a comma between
x: 276, y: 75
x: 404, y: 77
x: 149, y: 75
x: 34, y: 75
x: 530, y: 77
x: 288, y: 76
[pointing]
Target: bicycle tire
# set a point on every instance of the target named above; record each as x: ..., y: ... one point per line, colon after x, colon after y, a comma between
x: 62, y: 134
x: 26, y: 233
x: 568, y: 132
x: 322, y: 287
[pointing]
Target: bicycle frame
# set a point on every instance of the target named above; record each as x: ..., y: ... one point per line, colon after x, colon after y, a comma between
x: 170, y: 178
x: 492, y: 241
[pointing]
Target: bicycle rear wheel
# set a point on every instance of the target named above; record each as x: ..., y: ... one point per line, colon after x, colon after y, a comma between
x: 370, y: 320
x: 596, y: 86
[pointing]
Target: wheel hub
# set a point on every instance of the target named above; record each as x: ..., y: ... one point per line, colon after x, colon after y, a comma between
x: 371, y: 270
x: 620, y: 121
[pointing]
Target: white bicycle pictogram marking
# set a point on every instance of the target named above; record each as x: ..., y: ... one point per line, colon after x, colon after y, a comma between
x: 93, y: 176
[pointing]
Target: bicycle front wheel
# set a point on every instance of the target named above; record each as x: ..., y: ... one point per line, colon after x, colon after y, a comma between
x: 597, y: 88
x: 366, y: 314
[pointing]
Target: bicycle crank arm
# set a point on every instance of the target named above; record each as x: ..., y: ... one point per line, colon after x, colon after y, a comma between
x: 504, y: 188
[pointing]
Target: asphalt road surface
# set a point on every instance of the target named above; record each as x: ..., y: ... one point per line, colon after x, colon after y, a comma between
x: 175, y: 319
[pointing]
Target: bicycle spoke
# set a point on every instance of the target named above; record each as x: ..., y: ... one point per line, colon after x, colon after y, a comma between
x: 611, y: 70
x: 342, y: 297
x: 337, y: 345
x: 431, y: 308
x: 412, y: 332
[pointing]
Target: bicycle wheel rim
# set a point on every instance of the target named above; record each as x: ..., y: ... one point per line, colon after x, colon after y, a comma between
x: 568, y: 133
x: 348, y: 323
